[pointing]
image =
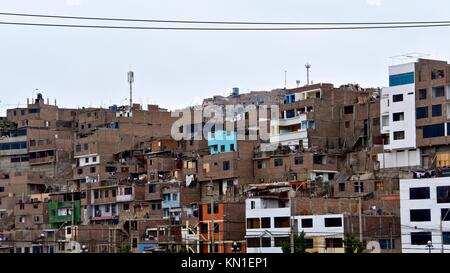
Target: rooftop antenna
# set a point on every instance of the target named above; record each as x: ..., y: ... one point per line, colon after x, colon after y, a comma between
x: 285, y: 79
x: 308, y: 67
x: 297, y: 82
x: 130, y: 81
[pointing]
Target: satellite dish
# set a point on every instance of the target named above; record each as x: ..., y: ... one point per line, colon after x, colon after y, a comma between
x: 373, y: 247
x: 74, y: 247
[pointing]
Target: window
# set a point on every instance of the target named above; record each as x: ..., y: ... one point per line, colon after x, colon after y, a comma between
x: 252, y: 242
x: 437, y: 74
x: 78, y: 148
x: 387, y: 244
x: 341, y: 187
x: 86, y: 146
x: 309, y: 243
x: 399, y: 135
x: 298, y: 160
x: 419, y: 193
x: 232, y: 147
x: 398, y: 116
x: 94, y: 159
x: 151, y: 188
x: 204, y: 228
x: 446, y: 238
x: 421, y: 112
x: 261, y: 164
x: 435, y: 130
x: 252, y: 205
x: 2, y: 189
x: 128, y: 191
x: 420, y: 215
x: 445, y: 214
x: 379, y: 185
x: 216, y: 228
x: 401, y: 79
x: 422, y: 94
x: 348, y: 109
x: 36, y: 218
x: 333, y: 222
x: 357, y: 185
x: 86, y: 160
x: 278, y: 162
x: 266, y: 242
x: 126, y: 206
x: 436, y: 110
x: 347, y: 124
x: 265, y: 222
x: 333, y: 242
x: 222, y: 148
x: 226, y: 165
x: 93, y: 169
x: 318, y: 159
x: 443, y: 194
x: 307, y: 223
x: 96, y: 195
x: 397, y: 98
x: 280, y: 240
x: 216, y: 209
x: 282, y: 222
x: 420, y: 238
x: 437, y: 92
x: 174, y: 196
x: 113, y: 193
x: 106, y: 193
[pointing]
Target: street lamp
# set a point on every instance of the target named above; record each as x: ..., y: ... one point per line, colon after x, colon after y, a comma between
x: 235, y: 247
x: 84, y: 249
x: 429, y: 246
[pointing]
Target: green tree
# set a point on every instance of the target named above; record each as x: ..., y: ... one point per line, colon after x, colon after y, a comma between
x: 125, y: 249
x: 299, y: 244
x: 353, y: 245
x: 183, y: 250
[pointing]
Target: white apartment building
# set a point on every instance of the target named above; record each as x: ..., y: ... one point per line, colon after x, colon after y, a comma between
x: 425, y: 215
x: 269, y: 225
x: 398, y: 118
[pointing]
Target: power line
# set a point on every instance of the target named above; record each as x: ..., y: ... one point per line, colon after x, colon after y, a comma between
x: 220, y: 22
x: 223, y: 29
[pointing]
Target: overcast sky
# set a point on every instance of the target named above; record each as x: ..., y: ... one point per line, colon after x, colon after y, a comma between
x: 87, y: 67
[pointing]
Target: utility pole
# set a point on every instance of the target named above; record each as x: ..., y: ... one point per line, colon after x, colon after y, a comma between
x: 130, y: 81
x: 308, y: 67
x: 285, y: 79
x: 212, y: 214
x: 442, y: 231
x: 291, y: 193
x: 359, y: 210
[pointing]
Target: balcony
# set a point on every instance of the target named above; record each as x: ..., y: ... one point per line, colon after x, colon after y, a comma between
x: 292, y: 121
x: 124, y: 198
x: 42, y: 160
x: 291, y: 136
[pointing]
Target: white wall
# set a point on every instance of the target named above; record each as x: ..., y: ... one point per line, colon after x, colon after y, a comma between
x: 407, y: 106
x: 267, y: 208
x: 397, y: 159
x: 434, y: 225
x: 319, y: 228
x: 82, y: 160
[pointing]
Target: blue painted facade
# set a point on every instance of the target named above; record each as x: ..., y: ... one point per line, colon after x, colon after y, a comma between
x: 142, y: 247
x: 401, y: 79
x: 171, y: 200
x: 289, y: 98
x: 222, y: 142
